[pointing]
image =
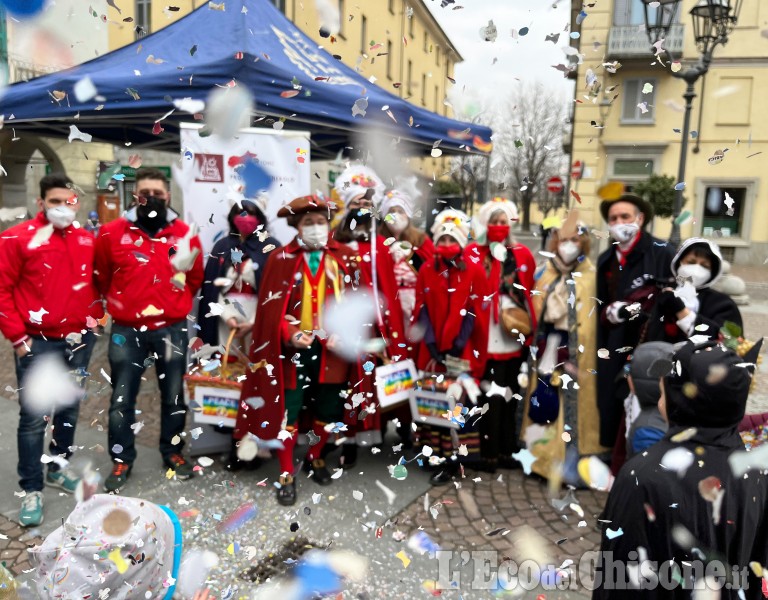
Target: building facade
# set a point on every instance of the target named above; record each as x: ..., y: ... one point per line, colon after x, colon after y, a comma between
x: 628, y: 118
x: 65, y: 34
x: 396, y: 44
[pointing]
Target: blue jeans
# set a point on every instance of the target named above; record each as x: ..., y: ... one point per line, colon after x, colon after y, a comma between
x: 30, y: 436
x: 130, y: 353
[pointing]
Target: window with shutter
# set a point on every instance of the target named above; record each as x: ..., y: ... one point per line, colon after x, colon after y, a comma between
x: 638, y: 107
x: 621, y: 12
x: 631, y: 12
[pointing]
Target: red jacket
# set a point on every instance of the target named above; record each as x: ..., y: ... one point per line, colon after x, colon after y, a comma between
x: 450, y: 295
x: 55, y: 277
x: 526, y: 268
x: 134, y: 273
x: 392, y: 327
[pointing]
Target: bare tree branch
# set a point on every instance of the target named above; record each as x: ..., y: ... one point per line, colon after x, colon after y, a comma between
x: 528, y: 145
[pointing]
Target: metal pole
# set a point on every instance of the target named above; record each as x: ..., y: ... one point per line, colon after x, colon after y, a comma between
x: 689, y: 95
x: 690, y: 76
x: 487, y: 186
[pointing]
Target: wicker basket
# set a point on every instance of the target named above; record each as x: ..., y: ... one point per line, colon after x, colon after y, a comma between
x: 226, y: 379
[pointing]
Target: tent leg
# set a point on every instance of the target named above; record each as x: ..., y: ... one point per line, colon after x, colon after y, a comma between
x: 487, y: 186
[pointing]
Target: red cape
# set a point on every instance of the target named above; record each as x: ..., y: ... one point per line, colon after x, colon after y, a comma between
x: 272, y: 363
x: 392, y: 327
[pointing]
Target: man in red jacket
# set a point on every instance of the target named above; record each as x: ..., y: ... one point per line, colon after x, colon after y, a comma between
x: 148, y: 268
x: 48, y: 301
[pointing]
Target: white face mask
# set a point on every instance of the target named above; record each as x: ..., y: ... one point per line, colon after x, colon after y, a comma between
x: 696, y: 273
x: 623, y: 232
x: 568, y: 251
x: 315, y: 236
x: 60, y: 217
x: 398, y: 224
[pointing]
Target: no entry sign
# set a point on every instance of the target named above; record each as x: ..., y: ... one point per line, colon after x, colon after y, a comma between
x: 555, y: 185
x: 577, y: 170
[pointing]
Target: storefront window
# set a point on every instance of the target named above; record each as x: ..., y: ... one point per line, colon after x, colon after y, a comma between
x: 723, y: 211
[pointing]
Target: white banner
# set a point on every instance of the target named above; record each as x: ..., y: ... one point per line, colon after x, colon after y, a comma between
x: 207, y: 176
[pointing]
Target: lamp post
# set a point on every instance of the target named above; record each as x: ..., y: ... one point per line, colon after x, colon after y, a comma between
x: 713, y: 20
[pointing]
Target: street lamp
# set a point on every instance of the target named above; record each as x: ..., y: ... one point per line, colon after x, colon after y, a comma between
x: 713, y: 21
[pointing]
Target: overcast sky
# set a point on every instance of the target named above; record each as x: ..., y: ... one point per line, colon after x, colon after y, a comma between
x: 519, y: 60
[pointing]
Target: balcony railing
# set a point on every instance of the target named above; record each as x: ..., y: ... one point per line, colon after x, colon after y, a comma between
x: 631, y: 41
x: 24, y: 70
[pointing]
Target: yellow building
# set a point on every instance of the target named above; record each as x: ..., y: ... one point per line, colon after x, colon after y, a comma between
x: 631, y: 127
x: 58, y: 38
x: 396, y: 44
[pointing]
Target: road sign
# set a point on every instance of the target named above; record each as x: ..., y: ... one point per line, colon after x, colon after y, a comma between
x: 555, y: 185
x: 577, y: 170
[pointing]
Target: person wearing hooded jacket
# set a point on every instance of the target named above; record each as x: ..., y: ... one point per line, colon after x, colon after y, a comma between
x: 645, y: 424
x: 233, y: 272
x: 693, y: 307
x: 693, y: 496
x: 232, y: 278
x: 509, y: 269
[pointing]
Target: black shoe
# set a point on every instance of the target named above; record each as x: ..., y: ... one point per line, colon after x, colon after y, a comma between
x: 444, y: 474
x: 507, y: 462
x: 118, y: 477
x: 234, y: 464
x: 286, y: 493
x: 348, y: 456
x: 487, y: 465
x: 320, y: 473
x: 180, y: 466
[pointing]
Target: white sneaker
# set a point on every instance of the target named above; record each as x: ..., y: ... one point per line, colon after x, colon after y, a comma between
x: 31, y: 513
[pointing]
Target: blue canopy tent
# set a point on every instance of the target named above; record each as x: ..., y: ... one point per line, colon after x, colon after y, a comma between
x: 248, y: 43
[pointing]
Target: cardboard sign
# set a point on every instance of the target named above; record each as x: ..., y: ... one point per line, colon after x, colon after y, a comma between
x: 394, y: 382
x: 431, y: 408
x: 218, y: 406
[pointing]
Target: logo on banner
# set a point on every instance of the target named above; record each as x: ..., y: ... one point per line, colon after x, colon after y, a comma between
x: 209, y: 168
x: 311, y: 61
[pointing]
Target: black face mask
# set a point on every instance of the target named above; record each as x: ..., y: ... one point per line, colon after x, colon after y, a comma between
x: 158, y: 220
x: 362, y: 221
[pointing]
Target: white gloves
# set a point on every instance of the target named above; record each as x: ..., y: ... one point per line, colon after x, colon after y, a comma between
x: 400, y: 251
x: 185, y: 256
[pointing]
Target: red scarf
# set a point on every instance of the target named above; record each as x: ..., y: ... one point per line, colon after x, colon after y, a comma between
x: 623, y: 254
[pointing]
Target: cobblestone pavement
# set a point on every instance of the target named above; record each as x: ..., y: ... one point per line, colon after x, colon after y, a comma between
x: 477, y: 514
x: 13, y: 546
x: 480, y: 513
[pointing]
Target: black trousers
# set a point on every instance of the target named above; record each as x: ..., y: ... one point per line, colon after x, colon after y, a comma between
x: 498, y: 426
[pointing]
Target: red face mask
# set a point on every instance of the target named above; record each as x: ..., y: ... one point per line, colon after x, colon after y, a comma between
x: 498, y: 233
x: 246, y: 224
x: 449, y: 252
